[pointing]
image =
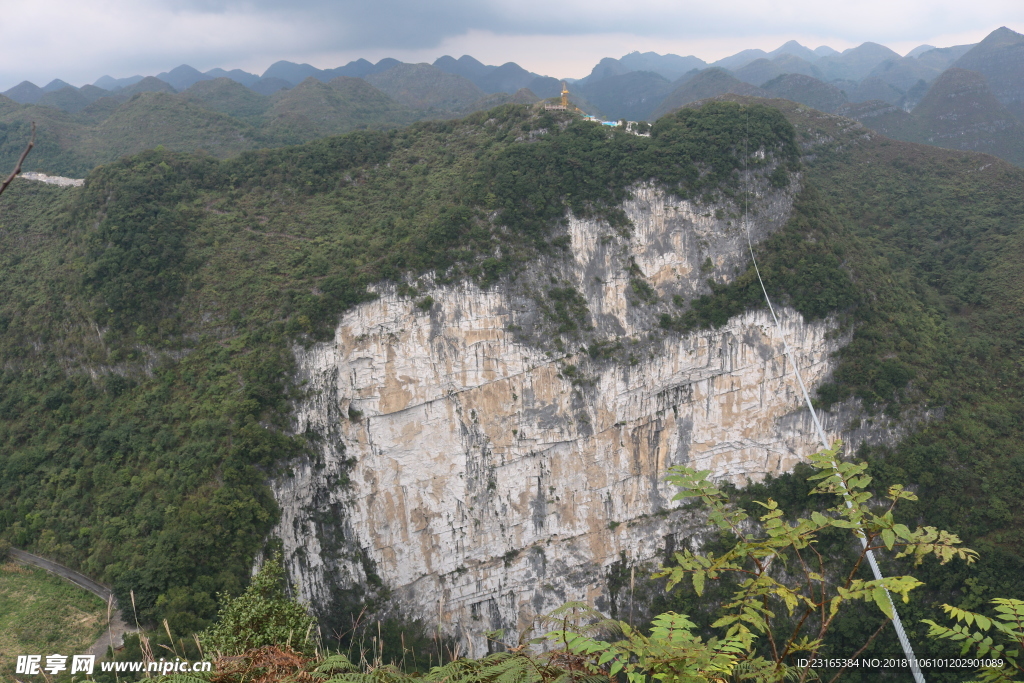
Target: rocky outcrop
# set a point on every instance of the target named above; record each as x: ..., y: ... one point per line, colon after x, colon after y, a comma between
x: 54, y: 179
x: 486, y: 477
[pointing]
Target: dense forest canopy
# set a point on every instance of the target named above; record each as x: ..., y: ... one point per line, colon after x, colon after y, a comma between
x: 145, y: 335
x: 146, y: 377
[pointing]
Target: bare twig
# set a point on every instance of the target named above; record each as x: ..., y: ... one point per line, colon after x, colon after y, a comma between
x: 21, y: 159
x: 856, y: 654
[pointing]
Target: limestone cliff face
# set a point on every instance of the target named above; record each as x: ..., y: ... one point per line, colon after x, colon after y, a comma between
x: 485, y: 477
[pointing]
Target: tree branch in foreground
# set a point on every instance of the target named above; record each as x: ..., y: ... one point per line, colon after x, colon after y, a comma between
x: 21, y: 159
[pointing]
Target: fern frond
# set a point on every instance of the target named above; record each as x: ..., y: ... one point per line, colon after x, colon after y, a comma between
x: 336, y: 663
x: 185, y: 678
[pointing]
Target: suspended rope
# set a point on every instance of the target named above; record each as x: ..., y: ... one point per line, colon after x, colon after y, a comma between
x: 908, y: 651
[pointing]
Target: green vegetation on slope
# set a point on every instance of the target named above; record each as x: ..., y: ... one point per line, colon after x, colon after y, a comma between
x: 218, y: 117
x: 263, y: 615
x: 704, y: 85
x: 313, y: 109
x: 422, y: 86
x: 932, y: 243
x: 959, y: 111
x: 41, y: 614
x: 145, y: 335
x: 150, y: 484
x: 806, y: 90
x: 800, y: 265
x: 150, y: 119
x: 949, y: 233
x: 228, y: 97
x: 59, y: 140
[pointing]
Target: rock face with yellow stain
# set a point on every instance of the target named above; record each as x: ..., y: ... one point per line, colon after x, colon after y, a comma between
x: 486, y: 478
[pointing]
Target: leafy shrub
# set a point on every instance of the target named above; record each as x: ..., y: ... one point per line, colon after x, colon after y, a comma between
x: 262, y: 616
x: 787, y: 594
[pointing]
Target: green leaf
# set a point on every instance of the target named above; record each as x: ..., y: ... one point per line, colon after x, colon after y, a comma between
x: 725, y: 621
x: 902, y: 531
x: 889, y: 538
x: 698, y: 582
x: 882, y: 600
x: 845, y: 524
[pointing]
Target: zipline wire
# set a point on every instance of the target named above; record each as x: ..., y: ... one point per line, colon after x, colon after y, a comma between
x: 908, y: 650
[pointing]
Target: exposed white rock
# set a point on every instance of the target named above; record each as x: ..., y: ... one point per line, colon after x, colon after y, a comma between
x: 484, y: 486
x: 53, y: 179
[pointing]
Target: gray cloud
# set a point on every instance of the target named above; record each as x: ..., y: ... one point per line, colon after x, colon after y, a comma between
x: 336, y: 24
x: 411, y: 23
x: 81, y: 41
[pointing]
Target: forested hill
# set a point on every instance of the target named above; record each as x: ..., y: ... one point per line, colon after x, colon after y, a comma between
x: 962, y: 97
x: 149, y: 316
x: 933, y: 241
x: 147, y: 329
x: 224, y: 118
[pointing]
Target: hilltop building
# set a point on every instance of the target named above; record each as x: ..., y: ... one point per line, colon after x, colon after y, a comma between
x: 564, y: 104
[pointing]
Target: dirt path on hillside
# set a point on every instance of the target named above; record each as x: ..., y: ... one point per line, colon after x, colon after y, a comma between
x: 114, y: 635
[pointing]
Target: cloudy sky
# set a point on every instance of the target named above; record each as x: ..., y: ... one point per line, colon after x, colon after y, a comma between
x: 80, y: 41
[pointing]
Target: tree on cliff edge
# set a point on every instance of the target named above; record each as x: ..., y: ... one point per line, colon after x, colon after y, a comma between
x: 262, y: 615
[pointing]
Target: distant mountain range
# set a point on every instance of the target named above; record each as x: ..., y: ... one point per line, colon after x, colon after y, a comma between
x: 79, y: 129
x: 965, y: 96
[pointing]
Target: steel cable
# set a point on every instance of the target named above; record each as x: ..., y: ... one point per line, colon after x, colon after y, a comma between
x: 908, y: 650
